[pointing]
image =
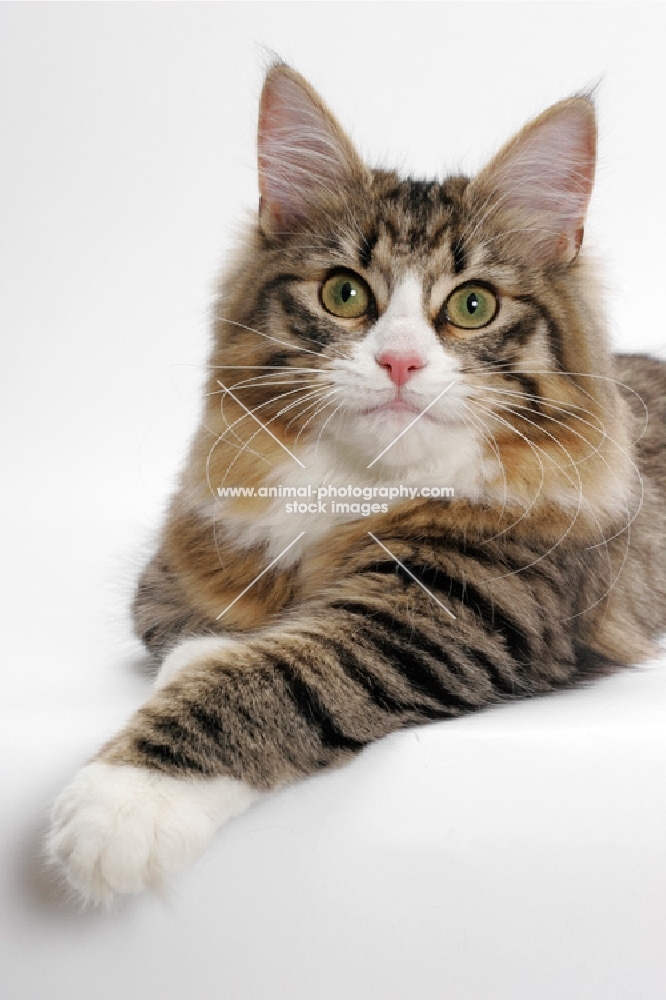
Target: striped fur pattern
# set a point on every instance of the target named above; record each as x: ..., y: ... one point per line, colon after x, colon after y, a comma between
x: 547, y: 566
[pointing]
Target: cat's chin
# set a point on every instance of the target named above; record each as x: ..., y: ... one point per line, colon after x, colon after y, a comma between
x: 382, y: 440
x: 382, y: 423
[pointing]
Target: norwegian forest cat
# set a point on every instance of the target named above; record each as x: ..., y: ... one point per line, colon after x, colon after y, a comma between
x: 380, y: 332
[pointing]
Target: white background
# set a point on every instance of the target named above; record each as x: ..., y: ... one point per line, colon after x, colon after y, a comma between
x: 517, y: 854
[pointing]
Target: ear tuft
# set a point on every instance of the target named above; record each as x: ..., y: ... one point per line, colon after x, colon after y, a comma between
x: 304, y: 156
x: 540, y: 183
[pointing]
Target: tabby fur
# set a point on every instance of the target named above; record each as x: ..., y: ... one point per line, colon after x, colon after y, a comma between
x: 546, y: 567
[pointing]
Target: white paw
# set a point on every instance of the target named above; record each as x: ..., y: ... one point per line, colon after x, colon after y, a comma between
x: 117, y: 829
x: 192, y: 651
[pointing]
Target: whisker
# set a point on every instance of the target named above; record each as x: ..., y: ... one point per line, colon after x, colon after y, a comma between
x: 258, y: 431
x: 276, y: 340
x: 604, y: 541
x: 542, y: 480
x: 325, y: 389
x: 252, y: 384
x: 316, y: 413
x: 536, y: 397
x: 513, y: 407
x: 274, y: 368
x: 324, y: 425
x: 606, y: 437
x: 485, y: 370
x: 573, y: 521
x: 230, y: 427
x: 489, y: 437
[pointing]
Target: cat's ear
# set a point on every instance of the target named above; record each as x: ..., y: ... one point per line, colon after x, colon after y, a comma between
x: 304, y: 155
x: 540, y: 183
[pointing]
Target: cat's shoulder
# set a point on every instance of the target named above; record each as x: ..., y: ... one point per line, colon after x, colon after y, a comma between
x: 643, y: 373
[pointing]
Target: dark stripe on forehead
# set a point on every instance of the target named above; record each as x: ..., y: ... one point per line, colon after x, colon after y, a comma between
x: 459, y: 257
x: 438, y: 235
x: 391, y: 229
x: 419, y: 196
x: 367, y: 247
x: 421, y: 200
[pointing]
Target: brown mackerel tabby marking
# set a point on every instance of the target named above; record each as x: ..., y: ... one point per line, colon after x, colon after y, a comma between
x: 344, y: 647
x: 521, y: 331
x: 366, y: 248
x: 162, y: 615
x: 304, y: 324
x: 279, y: 359
x: 441, y: 669
x: 459, y: 258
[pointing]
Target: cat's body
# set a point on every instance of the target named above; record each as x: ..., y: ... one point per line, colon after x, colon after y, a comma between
x: 361, y: 291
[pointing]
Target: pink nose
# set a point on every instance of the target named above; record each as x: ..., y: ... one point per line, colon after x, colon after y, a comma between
x: 400, y: 367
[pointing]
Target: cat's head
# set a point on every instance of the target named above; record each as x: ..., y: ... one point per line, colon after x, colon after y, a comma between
x: 373, y: 300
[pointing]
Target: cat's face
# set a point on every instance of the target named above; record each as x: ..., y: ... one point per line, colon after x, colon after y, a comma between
x: 448, y: 323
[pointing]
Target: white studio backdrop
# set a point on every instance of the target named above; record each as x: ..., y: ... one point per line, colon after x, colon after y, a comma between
x: 128, y: 140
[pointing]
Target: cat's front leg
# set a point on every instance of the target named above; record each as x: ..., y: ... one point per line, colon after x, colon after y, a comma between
x: 121, y: 827
x: 229, y: 719
x: 232, y: 718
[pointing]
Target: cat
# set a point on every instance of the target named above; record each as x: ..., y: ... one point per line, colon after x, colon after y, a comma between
x: 379, y: 332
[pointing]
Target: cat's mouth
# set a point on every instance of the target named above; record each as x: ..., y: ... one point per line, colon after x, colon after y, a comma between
x: 397, y: 405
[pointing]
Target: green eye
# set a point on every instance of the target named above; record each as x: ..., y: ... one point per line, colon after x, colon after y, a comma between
x: 345, y: 295
x: 471, y: 307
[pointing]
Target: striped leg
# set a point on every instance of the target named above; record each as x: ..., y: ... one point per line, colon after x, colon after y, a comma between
x: 234, y: 717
